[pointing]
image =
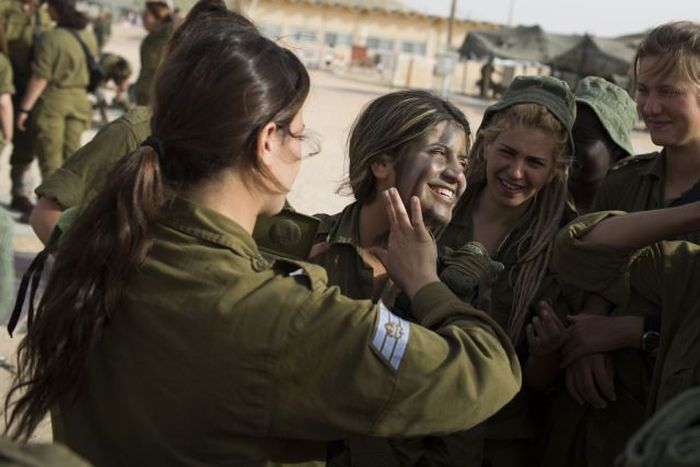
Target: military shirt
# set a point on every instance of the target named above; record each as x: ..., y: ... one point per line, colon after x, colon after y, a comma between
x: 346, y: 269
x: 14, y: 454
x: 59, y: 58
x: 83, y: 174
x: 343, y: 262
x: 110, y: 66
x: 20, y: 31
x: 521, y: 418
x: 216, y: 355
x: 664, y: 275
x: 6, y: 77
x: 152, y: 49
x: 637, y: 183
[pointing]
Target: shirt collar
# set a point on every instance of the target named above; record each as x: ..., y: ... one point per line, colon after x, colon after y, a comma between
x: 201, y: 222
x: 347, y: 226
x: 657, y: 168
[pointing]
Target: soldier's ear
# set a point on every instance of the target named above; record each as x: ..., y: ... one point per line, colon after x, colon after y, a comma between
x: 383, y: 169
x: 268, y: 143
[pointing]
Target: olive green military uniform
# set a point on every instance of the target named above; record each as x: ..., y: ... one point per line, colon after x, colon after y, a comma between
x: 14, y: 454
x: 346, y: 268
x: 217, y: 356
x: 7, y: 269
x: 663, y: 276
x: 102, y: 27
x: 152, y: 49
x: 115, y: 67
x: 582, y: 435
x: 20, y: 30
x: 6, y: 81
x: 343, y: 262
x: 515, y: 429
x: 670, y: 438
x: 63, y: 112
x: 83, y: 174
x: 637, y: 184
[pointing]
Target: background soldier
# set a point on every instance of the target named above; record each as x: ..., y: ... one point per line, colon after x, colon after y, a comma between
x: 24, y: 20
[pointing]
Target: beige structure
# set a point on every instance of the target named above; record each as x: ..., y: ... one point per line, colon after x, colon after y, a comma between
x: 382, y: 35
x: 341, y: 33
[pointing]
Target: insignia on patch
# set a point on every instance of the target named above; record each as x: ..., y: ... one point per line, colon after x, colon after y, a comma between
x: 390, y: 336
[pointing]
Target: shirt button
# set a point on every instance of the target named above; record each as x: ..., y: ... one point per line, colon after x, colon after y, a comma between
x: 259, y: 264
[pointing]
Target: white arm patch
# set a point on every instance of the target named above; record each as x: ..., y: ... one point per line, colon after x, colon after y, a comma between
x: 391, y: 336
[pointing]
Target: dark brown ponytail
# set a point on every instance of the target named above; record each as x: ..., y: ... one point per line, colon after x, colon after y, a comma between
x: 110, y: 240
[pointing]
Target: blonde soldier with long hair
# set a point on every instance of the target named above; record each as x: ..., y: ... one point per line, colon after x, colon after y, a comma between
x: 515, y: 198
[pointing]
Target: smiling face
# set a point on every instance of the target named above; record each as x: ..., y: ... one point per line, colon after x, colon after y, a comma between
x: 668, y: 104
x: 519, y: 163
x: 433, y: 170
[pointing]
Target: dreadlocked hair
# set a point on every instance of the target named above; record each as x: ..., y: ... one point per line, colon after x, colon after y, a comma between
x: 534, y: 247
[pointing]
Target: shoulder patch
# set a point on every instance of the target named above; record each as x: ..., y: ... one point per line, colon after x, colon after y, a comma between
x: 634, y: 160
x: 391, y: 336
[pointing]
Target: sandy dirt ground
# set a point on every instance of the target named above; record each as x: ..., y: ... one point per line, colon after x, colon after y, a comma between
x: 333, y: 104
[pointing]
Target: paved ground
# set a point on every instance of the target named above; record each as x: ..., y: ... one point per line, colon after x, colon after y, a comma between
x: 332, y: 106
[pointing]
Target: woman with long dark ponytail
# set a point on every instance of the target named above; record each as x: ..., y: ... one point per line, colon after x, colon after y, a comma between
x: 165, y: 338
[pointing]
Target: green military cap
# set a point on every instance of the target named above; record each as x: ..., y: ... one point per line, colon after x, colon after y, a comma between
x: 612, y: 105
x: 552, y: 93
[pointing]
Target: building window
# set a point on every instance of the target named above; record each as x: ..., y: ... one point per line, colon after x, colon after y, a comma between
x: 302, y: 35
x: 338, y: 39
x: 271, y: 31
x: 377, y: 43
x: 413, y: 47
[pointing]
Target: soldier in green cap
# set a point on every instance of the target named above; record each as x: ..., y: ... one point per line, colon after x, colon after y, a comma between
x: 157, y: 20
x: 605, y: 116
x: 182, y: 345
x: 24, y: 21
x: 55, y: 105
x: 514, y: 203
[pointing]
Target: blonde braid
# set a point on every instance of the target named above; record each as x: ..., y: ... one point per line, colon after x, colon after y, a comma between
x: 534, y: 251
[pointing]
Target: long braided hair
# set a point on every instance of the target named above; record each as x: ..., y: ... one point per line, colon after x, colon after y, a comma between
x: 534, y: 247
